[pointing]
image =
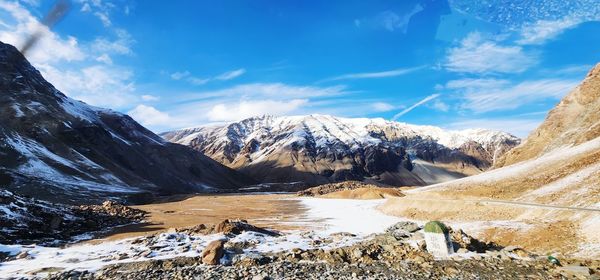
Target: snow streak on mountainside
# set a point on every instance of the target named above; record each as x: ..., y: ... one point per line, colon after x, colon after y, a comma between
x: 56, y: 148
x: 322, y: 148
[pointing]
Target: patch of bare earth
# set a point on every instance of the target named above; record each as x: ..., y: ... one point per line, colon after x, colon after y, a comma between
x: 269, y: 210
x: 365, y: 193
x: 542, y: 237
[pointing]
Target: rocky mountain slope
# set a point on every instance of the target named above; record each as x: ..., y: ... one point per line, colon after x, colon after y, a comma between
x: 58, y: 149
x: 575, y: 120
x: 550, y: 184
x: 319, y: 149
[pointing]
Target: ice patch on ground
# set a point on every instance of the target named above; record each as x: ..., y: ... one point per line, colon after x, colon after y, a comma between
x: 349, y: 215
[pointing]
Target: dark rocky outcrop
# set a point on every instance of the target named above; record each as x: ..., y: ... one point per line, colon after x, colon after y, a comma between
x: 26, y: 220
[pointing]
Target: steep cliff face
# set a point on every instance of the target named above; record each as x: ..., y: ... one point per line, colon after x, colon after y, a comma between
x: 318, y: 149
x: 55, y: 148
x: 575, y: 120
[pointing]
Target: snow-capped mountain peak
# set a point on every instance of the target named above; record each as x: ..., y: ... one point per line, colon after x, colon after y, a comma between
x: 257, y: 140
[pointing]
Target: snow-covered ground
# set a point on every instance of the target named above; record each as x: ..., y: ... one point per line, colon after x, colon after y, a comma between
x: 348, y: 215
x: 358, y: 217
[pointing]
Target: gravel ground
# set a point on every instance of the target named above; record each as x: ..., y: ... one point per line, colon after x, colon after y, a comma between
x: 468, y: 269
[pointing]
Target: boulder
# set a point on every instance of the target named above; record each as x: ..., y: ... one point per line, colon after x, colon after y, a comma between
x: 402, y: 229
x: 238, y: 226
x: 213, y: 252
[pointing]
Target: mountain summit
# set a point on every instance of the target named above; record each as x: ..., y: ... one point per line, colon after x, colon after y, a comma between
x: 320, y: 148
x: 55, y: 148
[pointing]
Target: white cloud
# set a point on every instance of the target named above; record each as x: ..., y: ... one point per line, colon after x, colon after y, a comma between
x: 478, y: 55
x: 246, y: 109
x: 100, y: 9
x: 392, y: 21
x: 270, y: 91
x: 519, y: 127
x: 187, y: 76
x: 148, y: 97
x: 486, y: 95
x: 249, y: 100
x: 374, y: 75
x: 104, y: 58
x: 34, y: 3
x: 149, y: 116
x: 122, y: 45
x: 49, y: 48
x: 81, y: 71
x: 85, y: 8
x: 440, y: 105
x: 103, y: 18
x: 231, y: 74
x: 198, y: 81
x: 97, y: 85
x: 541, y: 31
x: 382, y: 107
x: 179, y: 75
x: 423, y: 101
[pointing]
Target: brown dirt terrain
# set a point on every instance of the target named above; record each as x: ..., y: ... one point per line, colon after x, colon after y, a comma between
x: 365, y: 193
x: 269, y: 210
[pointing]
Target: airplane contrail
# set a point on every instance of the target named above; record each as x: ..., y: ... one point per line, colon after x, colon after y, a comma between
x: 425, y: 100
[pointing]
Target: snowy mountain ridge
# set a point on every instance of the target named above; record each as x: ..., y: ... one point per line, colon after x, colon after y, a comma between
x: 326, y: 130
x: 263, y: 139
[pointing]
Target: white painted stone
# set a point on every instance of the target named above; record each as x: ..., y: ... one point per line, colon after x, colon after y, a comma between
x: 439, y: 244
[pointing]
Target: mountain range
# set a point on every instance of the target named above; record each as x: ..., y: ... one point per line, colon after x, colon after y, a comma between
x: 318, y: 149
x: 58, y: 149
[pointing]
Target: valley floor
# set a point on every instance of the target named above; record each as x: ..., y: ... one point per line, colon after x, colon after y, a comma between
x: 307, y: 224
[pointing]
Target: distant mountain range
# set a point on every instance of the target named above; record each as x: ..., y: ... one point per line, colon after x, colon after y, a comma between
x: 318, y: 149
x: 58, y: 149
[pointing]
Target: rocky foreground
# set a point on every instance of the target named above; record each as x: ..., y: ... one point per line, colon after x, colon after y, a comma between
x: 27, y: 221
x: 399, y: 253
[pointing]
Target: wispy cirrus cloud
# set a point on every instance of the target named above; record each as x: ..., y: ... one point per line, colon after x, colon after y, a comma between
x: 101, y: 9
x: 478, y: 55
x: 487, y: 95
x: 541, y: 31
x: 376, y: 75
x: 187, y: 76
x: 231, y: 75
x: 389, y: 20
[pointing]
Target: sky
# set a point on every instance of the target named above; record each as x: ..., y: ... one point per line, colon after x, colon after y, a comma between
x: 454, y: 64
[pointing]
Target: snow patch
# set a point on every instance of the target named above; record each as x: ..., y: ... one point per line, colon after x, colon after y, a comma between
x: 349, y: 215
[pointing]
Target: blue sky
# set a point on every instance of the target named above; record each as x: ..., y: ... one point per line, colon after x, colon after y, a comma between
x: 454, y: 64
